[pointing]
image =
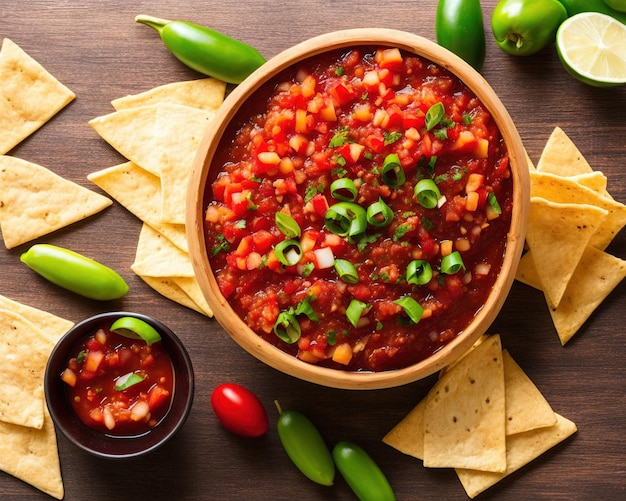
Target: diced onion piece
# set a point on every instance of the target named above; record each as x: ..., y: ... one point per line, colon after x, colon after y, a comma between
x: 140, y: 411
x: 68, y: 376
x: 109, y: 420
x: 324, y: 258
x: 482, y: 269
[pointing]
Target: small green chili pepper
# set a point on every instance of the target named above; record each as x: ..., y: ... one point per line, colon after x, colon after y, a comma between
x: 361, y: 473
x: 75, y: 272
x: 459, y: 28
x: 206, y: 50
x: 524, y: 27
x: 305, y: 446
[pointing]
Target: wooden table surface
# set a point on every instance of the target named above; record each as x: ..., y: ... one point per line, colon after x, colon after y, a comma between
x: 99, y: 52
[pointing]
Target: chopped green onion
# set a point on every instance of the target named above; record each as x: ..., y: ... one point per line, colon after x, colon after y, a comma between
x: 287, y: 225
x: 379, y: 214
x: 392, y: 173
x: 127, y: 380
x: 419, y: 272
x: 434, y: 115
x: 287, y: 327
x: 346, y: 219
x: 288, y: 252
x: 411, y: 307
x: 346, y: 271
x: 304, y: 308
x: 452, y: 263
x: 355, y: 310
x: 427, y: 193
x: 343, y: 189
x: 493, y: 203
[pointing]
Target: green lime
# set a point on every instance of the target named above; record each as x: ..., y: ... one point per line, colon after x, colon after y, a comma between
x: 591, y: 48
x: 135, y: 328
x: 619, y: 5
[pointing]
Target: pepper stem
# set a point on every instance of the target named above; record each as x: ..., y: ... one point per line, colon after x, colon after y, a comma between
x: 154, y: 22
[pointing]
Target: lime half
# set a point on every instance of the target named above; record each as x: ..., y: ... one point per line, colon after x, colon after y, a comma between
x: 592, y: 47
x: 135, y: 328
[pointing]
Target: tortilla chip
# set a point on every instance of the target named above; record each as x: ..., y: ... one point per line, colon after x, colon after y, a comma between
x: 139, y: 192
x: 52, y: 326
x: 595, y: 181
x: 408, y: 435
x: 29, y: 95
x: 557, y: 234
x: 560, y: 156
x: 169, y: 289
x: 521, y: 449
x: 32, y: 455
x: 566, y: 190
x: 597, y: 274
x: 156, y: 256
x: 204, y: 93
x: 464, y: 425
x: 24, y: 352
x: 191, y: 287
x: 34, y: 201
x: 527, y: 273
x: 526, y: 408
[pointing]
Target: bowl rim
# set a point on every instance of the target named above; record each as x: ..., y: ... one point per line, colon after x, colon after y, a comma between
x: 54, y: 405
x: 274, y: 356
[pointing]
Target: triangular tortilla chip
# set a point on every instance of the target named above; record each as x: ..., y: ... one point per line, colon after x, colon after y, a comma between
x: 169, y: 289
x: 157, y: 256
x: 557, y: 234
x: 204, y: 93
x: 32, y: 455
x: 408, y: 435
x: 464, y: 425
x: 192, y: 289
x: 561, y: 156
x: 34, y: 201
x: 526, y: 408
x: 526, y: 271
x: 29, y: 95
x: 178, y: 130
x: 139, y: 192
x: 521, y: 449
x: 566, y: 190
x: 595, y: 181
x: 24, y: 352
x: 597, y: 274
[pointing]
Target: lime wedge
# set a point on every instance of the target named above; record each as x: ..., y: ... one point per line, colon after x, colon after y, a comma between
x: 591, y: 47
x: 127, y: 380
x: 135, y: 328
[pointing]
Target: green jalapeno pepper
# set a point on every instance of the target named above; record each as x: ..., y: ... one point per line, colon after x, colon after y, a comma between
x: 459, y: 28
x: 305, y: 446
x: 75, y: 272
x: 574, y: 7
x: 524, y: 27
x: 205, y: 50
x: 361, y: 473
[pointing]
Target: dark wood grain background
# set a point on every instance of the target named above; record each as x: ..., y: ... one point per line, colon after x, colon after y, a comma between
x: 97, y: 50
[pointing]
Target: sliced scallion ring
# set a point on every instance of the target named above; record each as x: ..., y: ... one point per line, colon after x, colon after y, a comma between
x: 346, y: 271
x: 287, y: 327
x: 354, y: 311
x: 411, y: 307
x: 392, y: 173
x: 452, y: 263
x: 346, y: 219
x: 427, y: 193
x: 288, y: 252
x: 434, y: 115
x: 419, y: 272
x: 379, y: 214
x: 343, y: 189
x: 127, y: 380
x: 287, y: 225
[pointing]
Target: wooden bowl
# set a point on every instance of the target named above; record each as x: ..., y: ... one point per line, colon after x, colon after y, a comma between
x: 275, y: 357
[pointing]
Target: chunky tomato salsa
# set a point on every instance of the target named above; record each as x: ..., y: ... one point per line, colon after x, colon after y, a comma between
x: 359, y: 217
x: 118, y: 385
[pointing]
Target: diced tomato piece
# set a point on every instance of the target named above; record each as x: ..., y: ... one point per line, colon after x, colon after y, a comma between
x: 375, y: 143
x: 148, y: 361
x: 93, y: 361
x: 320, y: 204
x: 389, y: 58
x: 344, y: 93
x: 414, y: 120
x: 157, y: 396
x: 69, y: 377
x: 262, y: 241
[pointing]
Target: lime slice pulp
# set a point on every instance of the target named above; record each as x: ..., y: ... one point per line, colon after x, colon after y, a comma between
x: 135, y: 328
x: 591, y: 47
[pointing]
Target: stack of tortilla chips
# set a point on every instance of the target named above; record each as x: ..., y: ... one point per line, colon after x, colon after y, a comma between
x: 572, y: 221
x: 28, y: 446
x: 33, y: 200
x: 484, y: 417
x: 158, y: 132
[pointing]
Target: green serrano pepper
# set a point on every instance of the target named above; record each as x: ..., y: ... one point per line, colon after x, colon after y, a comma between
x: 75, y: 272
x: 205, y: 50
x: 361, y: 473
x: 305, y: 446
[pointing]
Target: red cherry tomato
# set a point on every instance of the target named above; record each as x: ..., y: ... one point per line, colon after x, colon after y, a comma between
x: 239, y: 410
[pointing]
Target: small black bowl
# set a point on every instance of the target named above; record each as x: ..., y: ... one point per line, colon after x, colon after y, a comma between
x: 96, y: 442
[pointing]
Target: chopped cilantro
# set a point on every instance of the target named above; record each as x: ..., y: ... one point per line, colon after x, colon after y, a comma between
x: 340, y: 160
x: 441, y: 134
x: 222, y: 245
x: 331, y: 337
x: 391, y: 137
x: 340, y: 138
x: 307, y: 269
x: 401, y: 230
x: 467, y: 118
x: 427, y: 223
x: 339, y: 172
x: 339, y: 71
x: 311, y: 191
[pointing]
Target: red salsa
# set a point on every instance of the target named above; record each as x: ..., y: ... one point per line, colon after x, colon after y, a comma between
x: 359, y: 216
x: 118, y: 385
